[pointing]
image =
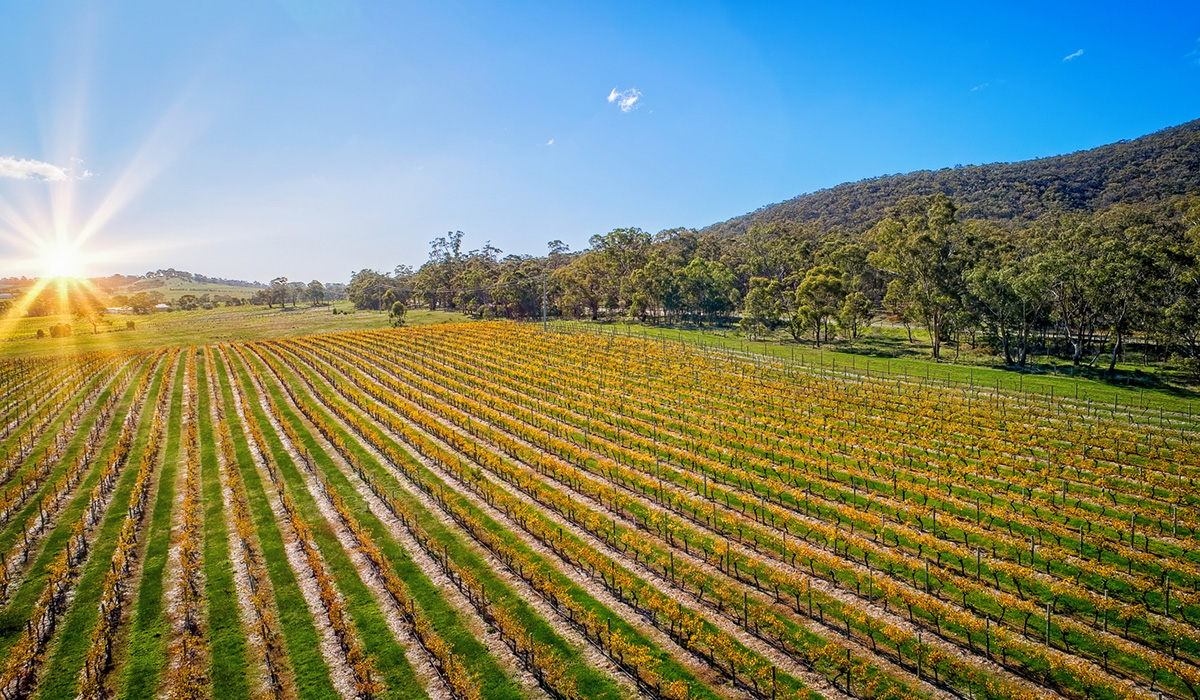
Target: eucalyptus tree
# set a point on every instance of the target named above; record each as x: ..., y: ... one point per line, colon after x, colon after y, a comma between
x: 656, y: 287
x: 1129, y: 269
x: 617, y: 254
x: 762, y: 304
x: 315, y: 293
x: 818, y: 299
x: 708, y: 289
x: 854, y: 313
x: 922, y: 243
x: 1180, y: 287
x: 898, y: 304
x: 1012, y: 300
x: 584, y: 285
x: 366, y: 289
x: 518, y: 292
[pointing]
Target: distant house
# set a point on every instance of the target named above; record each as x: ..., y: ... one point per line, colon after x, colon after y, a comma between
x: 162, y: 307
x: 7, y: 296
x: 118, y: 310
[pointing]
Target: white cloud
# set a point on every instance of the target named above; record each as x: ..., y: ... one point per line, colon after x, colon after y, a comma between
x: 1073, y: 56
x: 22, y: 169
x: 1194, y: 54
x: 625, y: 99
x: 549, y: 143
x: 979, y: 87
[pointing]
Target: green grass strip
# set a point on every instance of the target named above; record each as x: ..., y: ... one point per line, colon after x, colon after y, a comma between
x: 225, y: 632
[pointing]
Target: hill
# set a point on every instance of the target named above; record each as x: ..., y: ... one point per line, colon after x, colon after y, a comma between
x: 1146, y: 170
x: 172, y: 284
x: 174, y: 287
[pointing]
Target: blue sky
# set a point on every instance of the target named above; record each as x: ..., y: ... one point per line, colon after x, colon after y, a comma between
x: 310, y: 138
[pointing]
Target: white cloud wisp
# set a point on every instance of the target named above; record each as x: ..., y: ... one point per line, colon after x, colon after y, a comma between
x: 24, y: 169
x: 1073, y: 56
x: 625, y: 99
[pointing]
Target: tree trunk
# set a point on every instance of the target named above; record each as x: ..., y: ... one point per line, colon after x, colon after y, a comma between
x: 935, y: 334
x: 1076, y: 342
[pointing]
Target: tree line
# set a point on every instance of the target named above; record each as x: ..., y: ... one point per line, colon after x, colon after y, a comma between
x: 280, y: 292
x: 1080, y: 285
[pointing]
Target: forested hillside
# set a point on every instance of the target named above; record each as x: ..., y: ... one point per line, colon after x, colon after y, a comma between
x: 1147, y: 170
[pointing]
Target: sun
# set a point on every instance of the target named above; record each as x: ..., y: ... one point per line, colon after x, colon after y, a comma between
x: 61, y: 260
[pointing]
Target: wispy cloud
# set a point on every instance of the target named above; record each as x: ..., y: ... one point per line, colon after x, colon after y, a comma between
x: 549, y: 143
x: 24, y: 169
x: 1194, y: 54
x: 625, y: 99
x: 977, y: 88
x: 1073, y: 56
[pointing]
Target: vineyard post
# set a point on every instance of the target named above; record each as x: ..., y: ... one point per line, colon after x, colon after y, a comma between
x: 1047, y: 624
x: 920, y: 643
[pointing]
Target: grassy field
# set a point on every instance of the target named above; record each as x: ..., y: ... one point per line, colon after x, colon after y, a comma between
x: 485, y: 510
x: 222, y: 324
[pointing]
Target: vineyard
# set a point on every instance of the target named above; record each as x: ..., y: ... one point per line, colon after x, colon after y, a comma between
x: 491, y: 511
